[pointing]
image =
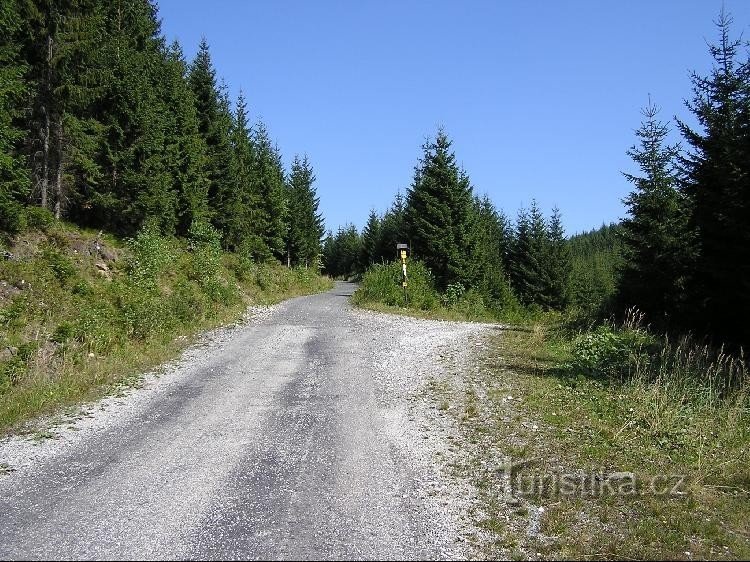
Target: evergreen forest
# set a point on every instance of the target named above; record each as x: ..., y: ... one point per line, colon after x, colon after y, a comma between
x: 106, y: 125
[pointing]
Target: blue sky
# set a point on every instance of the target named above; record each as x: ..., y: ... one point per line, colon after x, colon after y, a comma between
x: 540, y: 97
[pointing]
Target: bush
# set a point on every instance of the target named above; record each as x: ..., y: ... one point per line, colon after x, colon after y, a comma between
x: 59, y: 264
x: 12, y: 217
x: 607, y: 352
x: 453, y: 294
x: 62, y: 333
x: 39, y: 218
x: 150, y: 254
x: 382, y: 283
x: 205, y: 243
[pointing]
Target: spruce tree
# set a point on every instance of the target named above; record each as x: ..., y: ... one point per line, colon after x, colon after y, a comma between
x: 67, y: 74
x: 244, y: 228
x: 186, y: 149
x: 305, y: 222
x: 654, y: 233
x: 491, y: 241
x: 718, y: 190
x: 557, y: 263
x: 439, y: 216
x: 215, y: 125
x: 392, y: 231
x: 268, y: 174
x: 14, y: 181
x: 535, y: 261
x: 370, y: 240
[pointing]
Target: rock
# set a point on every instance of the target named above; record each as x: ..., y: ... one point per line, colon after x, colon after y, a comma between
x: 101, y: 266
x: 107, y: 253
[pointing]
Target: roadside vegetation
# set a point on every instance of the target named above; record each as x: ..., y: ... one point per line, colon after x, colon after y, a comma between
x: 618, y: 451
x: 623, y: 351
x: 81, y: 311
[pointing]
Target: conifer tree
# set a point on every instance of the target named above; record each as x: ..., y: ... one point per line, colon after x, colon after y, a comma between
x: 268, y: 174
x: 490, y: 249
x: 63, y: 49
x: 137, y: 185
x: 305, y: 222
x: 557, y: 263
x: 186, y: 149
x: 718, y: 190
x: 538, y: 264
x: 215, y: 125
x: 14, y: 182
x: 439, y: 215
x: 342, y: 251
x: 244, y: 228
x: 370, y: 240
x: 654, y: 233
x: 392, y: 231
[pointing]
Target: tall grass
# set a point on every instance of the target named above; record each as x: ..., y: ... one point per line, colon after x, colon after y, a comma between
x: 682, y: 367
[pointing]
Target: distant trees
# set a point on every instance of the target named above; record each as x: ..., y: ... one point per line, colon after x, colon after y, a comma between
x: 14, y: 178
x: 596, y: 262
x: 342, y: 251
x: 539, y: 259
x: 104, y: 124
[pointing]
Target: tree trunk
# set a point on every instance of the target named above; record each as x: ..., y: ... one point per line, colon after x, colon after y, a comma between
x: 44, y: 179
x: 59, y: 168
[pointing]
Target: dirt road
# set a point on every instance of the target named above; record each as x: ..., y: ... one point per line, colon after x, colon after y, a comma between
x: 299, y: 433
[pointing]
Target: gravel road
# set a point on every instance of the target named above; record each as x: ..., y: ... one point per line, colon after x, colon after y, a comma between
x: 301, y: 432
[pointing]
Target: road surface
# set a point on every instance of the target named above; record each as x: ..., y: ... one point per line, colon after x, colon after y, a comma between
x: 294, y: 434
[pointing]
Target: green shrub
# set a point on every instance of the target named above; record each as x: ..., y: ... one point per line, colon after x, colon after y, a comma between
x: 187, y: 302
x: 62, y: 333
x: 453, y: 294
x: 612, y: 353
x: 150, y: 254
x: 98, y: 324
x: 12, y: 217
x: 59, y: 264
x: 39, y: 218
x: 382, y: 283
x: 205, y: 243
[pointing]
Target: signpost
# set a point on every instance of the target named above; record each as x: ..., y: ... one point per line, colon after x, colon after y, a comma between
x: 403, y: 252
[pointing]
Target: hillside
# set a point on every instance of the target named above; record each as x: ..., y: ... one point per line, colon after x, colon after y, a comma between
x: 81, y: 310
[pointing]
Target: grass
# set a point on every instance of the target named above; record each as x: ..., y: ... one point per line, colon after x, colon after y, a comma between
x: 563, y: 426
x: 76, y: 322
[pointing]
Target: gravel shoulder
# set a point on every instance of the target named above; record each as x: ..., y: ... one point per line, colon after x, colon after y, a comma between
x: 306, y: 431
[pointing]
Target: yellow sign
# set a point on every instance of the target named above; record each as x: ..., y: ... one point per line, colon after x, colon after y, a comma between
x: 403, y: 254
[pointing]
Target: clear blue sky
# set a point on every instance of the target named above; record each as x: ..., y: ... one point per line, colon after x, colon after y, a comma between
x: 540, y: 97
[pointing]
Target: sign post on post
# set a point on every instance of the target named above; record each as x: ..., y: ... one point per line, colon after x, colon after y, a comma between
x: 403, y: 252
